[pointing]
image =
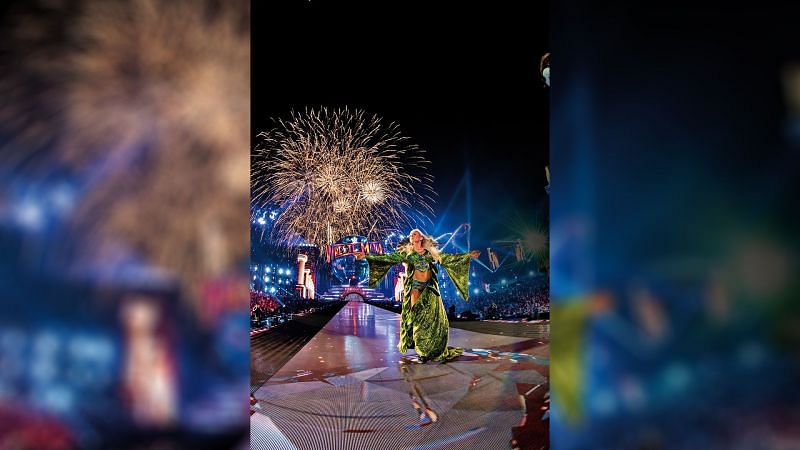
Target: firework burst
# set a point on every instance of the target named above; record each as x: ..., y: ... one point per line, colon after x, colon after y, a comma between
x: 340, y: 172
x: 372, y: 191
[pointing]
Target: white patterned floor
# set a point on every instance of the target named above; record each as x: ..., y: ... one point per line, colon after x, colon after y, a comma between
x: 349, y: 388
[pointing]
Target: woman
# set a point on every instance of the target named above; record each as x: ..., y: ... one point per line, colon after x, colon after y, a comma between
x: 423, y: 321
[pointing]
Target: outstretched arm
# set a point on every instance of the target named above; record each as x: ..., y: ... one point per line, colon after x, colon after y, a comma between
x: 458, y: 258
x: 457, y: 267
x: 379, y: 265
x: 394, y: 257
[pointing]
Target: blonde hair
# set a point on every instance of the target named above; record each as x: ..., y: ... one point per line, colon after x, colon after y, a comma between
x: 428, y: 243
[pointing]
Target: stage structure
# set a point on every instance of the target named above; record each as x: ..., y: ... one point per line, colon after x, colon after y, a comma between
x: 345, y: 268
x: 305, y: 281
x: 349, y: 275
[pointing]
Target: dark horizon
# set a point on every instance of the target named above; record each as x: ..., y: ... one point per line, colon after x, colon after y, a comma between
x: 467, y: 92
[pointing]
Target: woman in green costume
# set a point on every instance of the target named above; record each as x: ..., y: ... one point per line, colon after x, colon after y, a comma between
x: 423, y: 321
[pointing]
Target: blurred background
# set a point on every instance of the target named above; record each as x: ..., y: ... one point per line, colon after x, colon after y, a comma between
x: 674, y: 157
x: 124, y: 161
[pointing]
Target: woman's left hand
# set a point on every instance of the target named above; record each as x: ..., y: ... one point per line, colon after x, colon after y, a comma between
x: 474, y: 254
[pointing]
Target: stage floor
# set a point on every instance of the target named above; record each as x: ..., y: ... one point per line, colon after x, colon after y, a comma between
x: 350, y: 388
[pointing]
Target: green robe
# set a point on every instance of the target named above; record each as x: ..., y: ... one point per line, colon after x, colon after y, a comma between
x: 424, y: 327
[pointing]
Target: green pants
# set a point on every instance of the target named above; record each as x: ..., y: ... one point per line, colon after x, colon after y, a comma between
x: 425, y: 328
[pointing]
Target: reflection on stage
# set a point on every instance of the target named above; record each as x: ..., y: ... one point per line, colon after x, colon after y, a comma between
x: 350, y: 388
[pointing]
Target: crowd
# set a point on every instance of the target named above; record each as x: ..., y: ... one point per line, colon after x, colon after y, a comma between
x: 522, y: 300
x: 267, y: 310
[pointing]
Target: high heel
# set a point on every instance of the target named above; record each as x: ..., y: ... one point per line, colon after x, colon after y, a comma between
x: 432, y: 414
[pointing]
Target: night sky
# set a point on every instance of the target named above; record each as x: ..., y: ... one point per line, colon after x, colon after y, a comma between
x: 461, y: 81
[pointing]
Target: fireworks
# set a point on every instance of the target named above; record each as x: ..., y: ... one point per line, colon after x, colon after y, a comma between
x: 372, y: 191
x: 341, y: 172
x: 147, y: 102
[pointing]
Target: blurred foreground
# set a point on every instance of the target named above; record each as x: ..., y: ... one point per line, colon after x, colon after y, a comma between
x: 124, y: 161
x: 674, y: 227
